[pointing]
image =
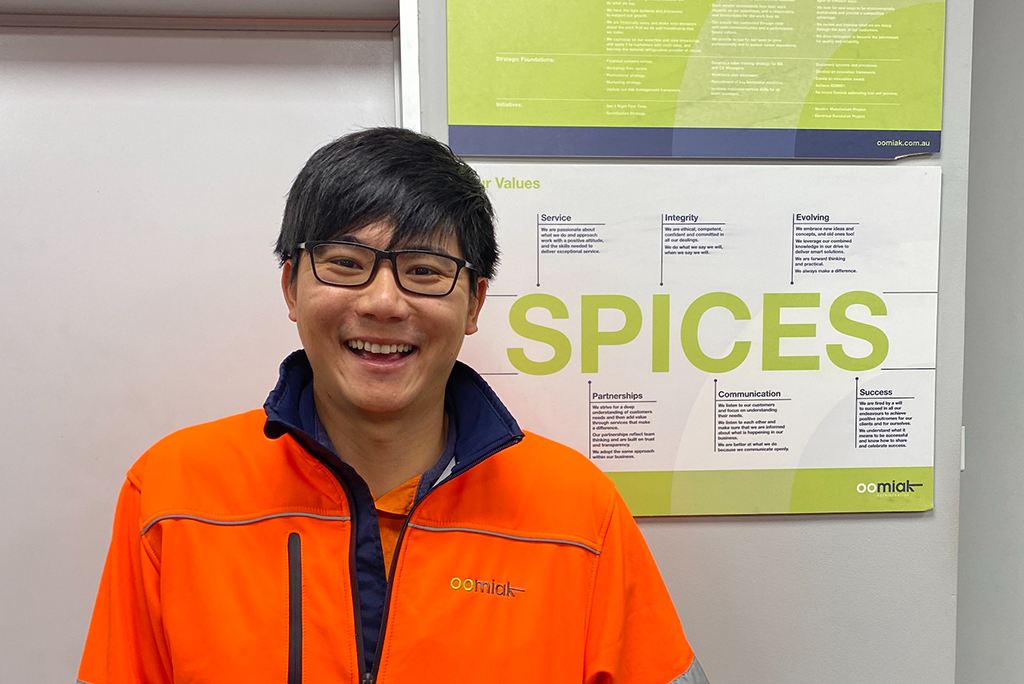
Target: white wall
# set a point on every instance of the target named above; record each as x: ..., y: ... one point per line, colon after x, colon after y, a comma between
x: 990, y: 621
x: 142, y: 181
x: 828, y: 599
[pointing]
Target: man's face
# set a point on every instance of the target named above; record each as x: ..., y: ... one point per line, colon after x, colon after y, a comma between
x: 426, y: 332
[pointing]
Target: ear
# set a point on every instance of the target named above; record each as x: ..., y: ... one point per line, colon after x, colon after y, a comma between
x: 289, y: 286
x: 475, y: 304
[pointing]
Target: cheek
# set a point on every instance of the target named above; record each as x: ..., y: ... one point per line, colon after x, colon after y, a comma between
x: 318, y: 315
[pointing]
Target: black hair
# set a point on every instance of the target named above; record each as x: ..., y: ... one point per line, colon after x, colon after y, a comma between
x: 396, y: 176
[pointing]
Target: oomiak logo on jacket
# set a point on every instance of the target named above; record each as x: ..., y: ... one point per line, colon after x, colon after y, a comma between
x: 485, y: 587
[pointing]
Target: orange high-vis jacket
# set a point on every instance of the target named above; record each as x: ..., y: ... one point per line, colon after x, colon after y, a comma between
x: 236, y: 558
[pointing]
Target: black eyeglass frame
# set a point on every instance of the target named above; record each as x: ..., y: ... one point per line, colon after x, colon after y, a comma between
x: 392, y: 256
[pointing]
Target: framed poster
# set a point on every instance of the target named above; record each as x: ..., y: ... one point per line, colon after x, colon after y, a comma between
x: 722, y: 340
x: 831, y: 79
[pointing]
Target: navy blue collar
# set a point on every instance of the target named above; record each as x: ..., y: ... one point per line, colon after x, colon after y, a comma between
x: 480, y: 422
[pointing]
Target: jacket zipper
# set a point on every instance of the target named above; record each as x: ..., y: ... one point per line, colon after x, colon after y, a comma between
x: 353, y: 580
x: 294, y: 608
x: 326, y: 460
x: 371, y: 677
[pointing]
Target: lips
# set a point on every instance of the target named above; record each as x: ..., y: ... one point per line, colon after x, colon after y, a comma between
x: 368, y: 347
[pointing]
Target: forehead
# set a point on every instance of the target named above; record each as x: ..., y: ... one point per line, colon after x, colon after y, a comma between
x: 381, y: 234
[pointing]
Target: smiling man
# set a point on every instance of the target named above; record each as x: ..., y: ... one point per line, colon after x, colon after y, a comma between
x: 383, y: 518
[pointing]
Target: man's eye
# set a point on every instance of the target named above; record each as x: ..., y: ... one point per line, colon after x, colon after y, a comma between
x: 423, y: 271
x: 341, y: 262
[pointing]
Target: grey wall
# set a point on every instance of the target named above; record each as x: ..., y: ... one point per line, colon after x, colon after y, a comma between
x: 990, y: 620
x: 834, y: 599
x: 142, y: 180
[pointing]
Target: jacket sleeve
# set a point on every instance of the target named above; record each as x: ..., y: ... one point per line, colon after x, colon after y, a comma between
x: 633, y: 632
x: 125, y: 644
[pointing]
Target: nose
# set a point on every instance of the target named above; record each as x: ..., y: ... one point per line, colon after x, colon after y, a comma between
x: 382, y: 298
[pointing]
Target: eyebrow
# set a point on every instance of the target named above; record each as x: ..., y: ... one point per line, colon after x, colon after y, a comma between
x: 422, y: 246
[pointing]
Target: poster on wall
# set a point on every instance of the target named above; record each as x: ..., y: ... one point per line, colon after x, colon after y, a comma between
x: 722, y: 340
x: 828, y: 79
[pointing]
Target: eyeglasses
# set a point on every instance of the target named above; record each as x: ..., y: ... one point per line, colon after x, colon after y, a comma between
x: 418, y: 271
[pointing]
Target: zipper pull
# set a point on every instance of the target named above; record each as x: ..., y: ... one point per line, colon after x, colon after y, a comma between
x: 367, y: 678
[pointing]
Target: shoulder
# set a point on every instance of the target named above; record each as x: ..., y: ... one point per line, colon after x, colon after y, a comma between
x: 229, y: 468
x: 537, y: 487
x: 191, y: 448
x: 559, y: 469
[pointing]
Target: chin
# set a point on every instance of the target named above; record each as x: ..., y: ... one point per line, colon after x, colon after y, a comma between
x: 381, y: 405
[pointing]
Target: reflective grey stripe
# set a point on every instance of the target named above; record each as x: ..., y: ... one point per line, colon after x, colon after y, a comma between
x: 295, y: 514
x: 695, y: 675
x: 591, y: 549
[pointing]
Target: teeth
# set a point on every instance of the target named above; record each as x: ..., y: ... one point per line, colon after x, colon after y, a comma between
x: 375, y: 348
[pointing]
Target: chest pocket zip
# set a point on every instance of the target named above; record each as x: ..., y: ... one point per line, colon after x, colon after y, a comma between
x: 294, y: 608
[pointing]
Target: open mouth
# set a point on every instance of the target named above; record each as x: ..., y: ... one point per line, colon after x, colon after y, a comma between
x: 374, y: 349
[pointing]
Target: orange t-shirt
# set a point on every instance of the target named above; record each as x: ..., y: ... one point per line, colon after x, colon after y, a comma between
x: 392, y: 509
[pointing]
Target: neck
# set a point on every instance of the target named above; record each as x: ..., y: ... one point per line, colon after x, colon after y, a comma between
x: 385, y: 450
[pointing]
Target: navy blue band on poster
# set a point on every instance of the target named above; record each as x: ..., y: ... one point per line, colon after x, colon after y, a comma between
x: 721, y: 143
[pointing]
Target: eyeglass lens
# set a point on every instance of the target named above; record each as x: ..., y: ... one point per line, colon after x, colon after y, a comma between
x: 352, y: 266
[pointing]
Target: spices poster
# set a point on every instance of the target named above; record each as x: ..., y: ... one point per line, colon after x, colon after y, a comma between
x: 722, y: 340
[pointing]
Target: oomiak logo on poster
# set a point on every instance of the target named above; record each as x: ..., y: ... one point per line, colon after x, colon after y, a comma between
x: 892, y: 487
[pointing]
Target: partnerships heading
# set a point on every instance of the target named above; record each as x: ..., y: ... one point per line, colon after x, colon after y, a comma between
x: 629, y: 396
